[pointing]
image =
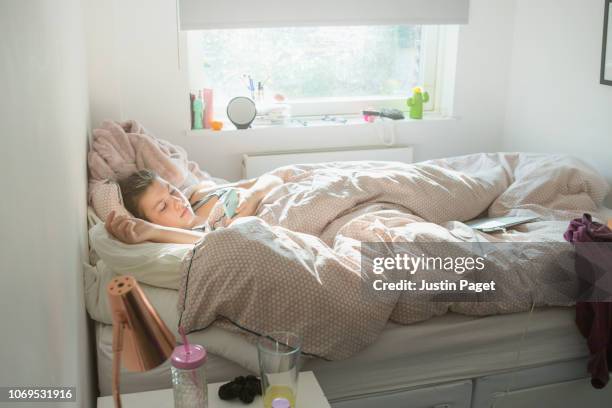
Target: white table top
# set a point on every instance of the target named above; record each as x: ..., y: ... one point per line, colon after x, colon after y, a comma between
x: 309, y: 395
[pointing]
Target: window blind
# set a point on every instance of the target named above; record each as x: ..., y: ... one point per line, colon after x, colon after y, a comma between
x: 218, y: 14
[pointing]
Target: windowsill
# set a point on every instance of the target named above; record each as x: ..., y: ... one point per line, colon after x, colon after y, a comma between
x: 302, y: 122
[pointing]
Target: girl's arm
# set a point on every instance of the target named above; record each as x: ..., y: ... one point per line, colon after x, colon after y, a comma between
x: 171, y: 235
x: 250, y: 193
x: 134, y: 231
x: 250, y: 199
x: 203, y: 190
x: 263, y: 183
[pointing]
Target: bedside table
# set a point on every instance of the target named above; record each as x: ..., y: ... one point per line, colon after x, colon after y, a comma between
x: 310, y: 395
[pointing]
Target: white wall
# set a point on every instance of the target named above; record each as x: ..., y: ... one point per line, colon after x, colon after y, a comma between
x: 134, y: 74
x: 556, y: 103
x: 43, y: 123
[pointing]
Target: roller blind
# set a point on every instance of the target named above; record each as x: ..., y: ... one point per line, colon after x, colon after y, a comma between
x: 215, y: 14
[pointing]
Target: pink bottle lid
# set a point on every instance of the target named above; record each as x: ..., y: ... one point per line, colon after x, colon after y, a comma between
x: 188, y: 357
x: 280, y: 403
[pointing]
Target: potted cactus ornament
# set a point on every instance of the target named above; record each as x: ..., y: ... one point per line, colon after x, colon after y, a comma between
x: 415, y: 103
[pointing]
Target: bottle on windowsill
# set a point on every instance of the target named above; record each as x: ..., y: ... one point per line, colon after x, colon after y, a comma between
x: 198, y: 112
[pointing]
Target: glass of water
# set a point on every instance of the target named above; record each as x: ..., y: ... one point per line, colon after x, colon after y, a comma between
x: 279, y: 365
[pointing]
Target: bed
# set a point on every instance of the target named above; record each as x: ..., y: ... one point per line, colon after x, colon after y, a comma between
x: 297, y: 267
x: 444, y: 360
x: 442, y: 350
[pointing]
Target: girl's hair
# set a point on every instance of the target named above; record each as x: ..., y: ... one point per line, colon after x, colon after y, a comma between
x: 132, y: 189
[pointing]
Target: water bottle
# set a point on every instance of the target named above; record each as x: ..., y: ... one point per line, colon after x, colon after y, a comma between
x: 189, y: 376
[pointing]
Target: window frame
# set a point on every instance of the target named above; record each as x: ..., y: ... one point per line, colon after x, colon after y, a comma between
x: 431, y: 56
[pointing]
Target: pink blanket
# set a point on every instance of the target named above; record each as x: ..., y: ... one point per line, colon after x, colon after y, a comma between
x: 119, y: 149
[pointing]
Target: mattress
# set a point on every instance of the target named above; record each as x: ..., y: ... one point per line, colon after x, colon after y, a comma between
x: 443, y: 349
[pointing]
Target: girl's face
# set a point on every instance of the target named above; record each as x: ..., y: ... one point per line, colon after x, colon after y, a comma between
x: 163, y: 204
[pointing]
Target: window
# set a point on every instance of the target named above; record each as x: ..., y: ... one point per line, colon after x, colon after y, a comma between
x: 319, y: 70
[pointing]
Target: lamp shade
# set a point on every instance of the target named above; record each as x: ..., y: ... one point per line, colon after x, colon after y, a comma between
x: 145, y: 342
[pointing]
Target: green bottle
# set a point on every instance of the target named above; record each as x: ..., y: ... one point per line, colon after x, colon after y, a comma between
x: 415, y: 103
x: 198, y: 112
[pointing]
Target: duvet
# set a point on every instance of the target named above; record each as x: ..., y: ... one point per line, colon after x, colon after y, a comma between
x: 298, y: 265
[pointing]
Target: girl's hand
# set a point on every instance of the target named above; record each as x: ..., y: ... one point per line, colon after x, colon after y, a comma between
x: 248, y: 201
x: 129, y: 230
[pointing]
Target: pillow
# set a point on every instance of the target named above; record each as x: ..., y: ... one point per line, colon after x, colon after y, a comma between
x: 105, y: 197
x: 151, y: 263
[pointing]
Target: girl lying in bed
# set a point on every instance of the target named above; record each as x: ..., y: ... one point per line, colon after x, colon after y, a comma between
x: 164, y: 214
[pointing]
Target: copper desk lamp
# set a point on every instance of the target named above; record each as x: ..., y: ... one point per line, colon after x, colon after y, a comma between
x: 139, y: 335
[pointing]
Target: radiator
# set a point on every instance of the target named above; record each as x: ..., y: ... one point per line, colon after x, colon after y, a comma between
x: 256, y: 164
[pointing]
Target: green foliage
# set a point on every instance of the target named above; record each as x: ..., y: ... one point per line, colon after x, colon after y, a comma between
x: 306, y: 62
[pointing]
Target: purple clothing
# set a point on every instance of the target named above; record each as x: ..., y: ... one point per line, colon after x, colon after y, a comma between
x: 586, y: 230
x: 594, y: 319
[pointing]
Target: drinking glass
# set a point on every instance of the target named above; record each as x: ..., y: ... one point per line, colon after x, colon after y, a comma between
x: 279, y: 365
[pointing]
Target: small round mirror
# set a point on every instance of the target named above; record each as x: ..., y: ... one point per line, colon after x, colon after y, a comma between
x: 241, y: 111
